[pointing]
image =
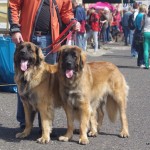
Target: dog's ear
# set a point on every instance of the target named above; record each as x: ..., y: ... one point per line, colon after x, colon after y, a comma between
x: 39, y: 55
x: 60, y: 52
x: 82, y: 60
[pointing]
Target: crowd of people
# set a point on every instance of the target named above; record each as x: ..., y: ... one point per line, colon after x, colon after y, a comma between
x: 103, y: 26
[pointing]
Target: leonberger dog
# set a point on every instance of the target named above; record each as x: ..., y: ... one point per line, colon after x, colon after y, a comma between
x: 85, y: 88
x: 38, y: 88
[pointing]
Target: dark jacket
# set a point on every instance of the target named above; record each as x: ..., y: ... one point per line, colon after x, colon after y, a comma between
x: 79, y: 13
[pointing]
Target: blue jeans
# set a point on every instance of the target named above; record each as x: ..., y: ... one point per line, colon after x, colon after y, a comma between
x: 80, y: 40
x: 42, y: 42
x: 134, y: 52
x: 108, y: 33
x: 127, y: 35
x: 140, y: 59
x: 104, y: 34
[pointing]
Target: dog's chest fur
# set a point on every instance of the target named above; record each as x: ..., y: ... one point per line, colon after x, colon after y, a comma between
x: 72, y: 96
x: 26, y: 86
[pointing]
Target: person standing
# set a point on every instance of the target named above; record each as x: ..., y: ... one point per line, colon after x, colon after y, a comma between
x: 134, y: 52
x: 80, y: 15
x: 126, y: 29
x: 146, y: 44
x: 95, y: 27
x: 104, y: 19
x: 139, y: 24
x: 116, y: 18
x: 37, y: 22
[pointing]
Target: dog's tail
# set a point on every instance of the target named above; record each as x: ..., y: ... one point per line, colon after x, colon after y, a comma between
x: 111, y: 108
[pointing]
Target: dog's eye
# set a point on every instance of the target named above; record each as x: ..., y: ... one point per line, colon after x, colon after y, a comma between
x: 75, y: 57
x: 30, y: 50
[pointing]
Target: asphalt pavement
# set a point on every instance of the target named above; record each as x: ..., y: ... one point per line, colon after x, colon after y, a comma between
x: 138, y: 113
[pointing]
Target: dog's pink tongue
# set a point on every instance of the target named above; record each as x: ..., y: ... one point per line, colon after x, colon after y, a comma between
x: 23, y: 65
x: 69, y: 73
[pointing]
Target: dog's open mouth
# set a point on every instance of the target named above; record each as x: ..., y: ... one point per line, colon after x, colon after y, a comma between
x: 24, y: 65
x: 69, y: 73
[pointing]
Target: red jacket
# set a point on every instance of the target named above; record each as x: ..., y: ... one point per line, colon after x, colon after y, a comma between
x: 94, y: 21
x: 30, y: 8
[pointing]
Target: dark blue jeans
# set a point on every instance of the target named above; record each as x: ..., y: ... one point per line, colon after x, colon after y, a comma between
x: 126, y: 34
x: 42, y: 42
x: 140, y: 59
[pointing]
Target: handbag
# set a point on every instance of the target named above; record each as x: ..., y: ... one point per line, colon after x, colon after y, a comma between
x: 82, y: 26
x: 138, y: 39
x: 138, y: 36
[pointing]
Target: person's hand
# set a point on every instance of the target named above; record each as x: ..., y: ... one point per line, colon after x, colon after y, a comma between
x: 17, y: 38
x: 77, y: 26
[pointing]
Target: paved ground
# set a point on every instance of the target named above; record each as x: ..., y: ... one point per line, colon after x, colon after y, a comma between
x: 138, y: 112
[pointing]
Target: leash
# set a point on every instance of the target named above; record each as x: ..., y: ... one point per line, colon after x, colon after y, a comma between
x: 66, y: 33
x: 63, y: 36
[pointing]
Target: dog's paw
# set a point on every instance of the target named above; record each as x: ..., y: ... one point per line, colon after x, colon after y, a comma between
x: 83, y: 141
x: 22, y: 135
x: 124, y: 134
x: 63, y: 138
x: 43, y: 140
x: 92, y: 134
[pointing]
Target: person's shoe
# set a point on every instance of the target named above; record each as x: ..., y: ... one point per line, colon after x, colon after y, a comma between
x: 142, y: 66
x: 111, y: 42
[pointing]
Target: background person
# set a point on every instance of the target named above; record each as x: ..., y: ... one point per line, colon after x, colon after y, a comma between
x: 115, y: 23
x: 94, y: 24
x: 80, y: 15
x: 134, y: 52
x: 139, y: 23
x: 104, y: 19
x: 126, y: 29
x: 146, y: 44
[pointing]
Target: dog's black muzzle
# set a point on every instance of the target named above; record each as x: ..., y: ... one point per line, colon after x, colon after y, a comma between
x: 69, y: 63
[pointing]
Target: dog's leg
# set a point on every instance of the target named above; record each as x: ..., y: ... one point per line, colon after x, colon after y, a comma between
x: 100, y: 115
x: 28, y: 120
x: 93, y: 124
x: 46, y: 114
x: 70, y: 127
x: 85, y: 109
x: 122, y: 109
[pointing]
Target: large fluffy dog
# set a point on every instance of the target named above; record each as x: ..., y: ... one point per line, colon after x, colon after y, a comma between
x: 37, y: 86
x: 85, y: 87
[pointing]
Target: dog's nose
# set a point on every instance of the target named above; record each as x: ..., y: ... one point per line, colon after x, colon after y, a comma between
x: 22, y: 52
x: 69, y: 64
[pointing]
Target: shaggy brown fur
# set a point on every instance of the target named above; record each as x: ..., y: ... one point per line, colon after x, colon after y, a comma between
x: 85, y: 88
x: 38, y: 88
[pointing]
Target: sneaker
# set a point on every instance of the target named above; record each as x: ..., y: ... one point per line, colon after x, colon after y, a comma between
x: 111, y: 42
x: 142, y: 66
